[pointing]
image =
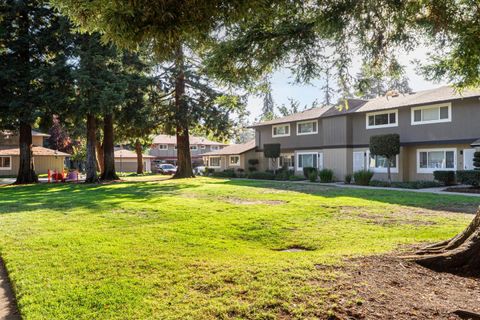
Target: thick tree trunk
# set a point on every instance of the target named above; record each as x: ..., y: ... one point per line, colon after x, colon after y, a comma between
x: 459, y: 254
x: 100, y: 164
x: 389, y: 172
x: 139, y: 151
x: 91, y: 165
x: 184, y: 160
x: 26, y: 170
x: 108, y: 149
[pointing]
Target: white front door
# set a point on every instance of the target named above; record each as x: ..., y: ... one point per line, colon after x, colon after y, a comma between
x: 358, y: 161
x: 468, y: 159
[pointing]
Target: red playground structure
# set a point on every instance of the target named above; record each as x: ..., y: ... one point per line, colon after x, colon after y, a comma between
x: 62, y: 176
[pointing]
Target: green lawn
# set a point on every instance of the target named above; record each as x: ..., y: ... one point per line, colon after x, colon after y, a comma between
x: 201, y: 248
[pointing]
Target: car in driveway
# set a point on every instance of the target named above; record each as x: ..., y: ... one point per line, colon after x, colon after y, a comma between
x: 166, y: 168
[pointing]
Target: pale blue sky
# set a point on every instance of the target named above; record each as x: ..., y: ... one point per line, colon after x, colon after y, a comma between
x: 282, y: 89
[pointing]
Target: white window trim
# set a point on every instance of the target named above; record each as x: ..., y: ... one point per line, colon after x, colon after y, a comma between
x: 319, y: 159
x: 431, y: 170
x: 281, y: 135
x: 194, y: 147
x: 237, y: 164
x: 431, y: 106
x: 160, y: 147
x: 7, y: 168
x: 382, y: 170
x: 307, y: 133
x: 390, y: 125
x: 214, y: 148
x: 219, y: 162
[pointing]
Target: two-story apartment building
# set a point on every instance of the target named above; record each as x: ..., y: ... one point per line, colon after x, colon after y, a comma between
x: 164, y: 148
x: 438, y: 130
x: 43, y: 158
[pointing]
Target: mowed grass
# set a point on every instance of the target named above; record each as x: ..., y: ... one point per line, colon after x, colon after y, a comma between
x: 201, y: 248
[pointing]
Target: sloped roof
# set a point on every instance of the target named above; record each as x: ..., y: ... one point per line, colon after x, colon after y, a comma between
x: 476, y: 143
x: 124, y: 153
x: 34, y: 133
x: 166, y: 139
x: 233, y: 149
x: 441, y: 94
x: 304, y: 115
x: 37, y: 151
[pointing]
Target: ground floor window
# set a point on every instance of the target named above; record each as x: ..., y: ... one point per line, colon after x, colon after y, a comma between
x: 5, y: 163
x: 310, y: 159
x: 436, y: 159
x: 234, y: 160
x: 214, y: 162
x: 380, y: 163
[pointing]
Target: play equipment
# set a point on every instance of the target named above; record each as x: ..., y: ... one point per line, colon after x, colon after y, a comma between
x: 62, y: 176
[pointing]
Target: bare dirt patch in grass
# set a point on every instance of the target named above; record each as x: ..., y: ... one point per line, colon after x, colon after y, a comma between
x: 388, y: 287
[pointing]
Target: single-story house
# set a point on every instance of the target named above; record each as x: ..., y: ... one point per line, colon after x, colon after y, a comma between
x: 235, y: 156
x: 126, y: 161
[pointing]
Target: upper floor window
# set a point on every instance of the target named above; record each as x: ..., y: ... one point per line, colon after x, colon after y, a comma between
x: 234, y: 160
x: 163, y: 147
x: 214, y: 148
x: 5, y: 163
x: 307, y: 127
x: 194, y: 147
x: 432, y: 114
x: 382, y: 119
x: 281, y: 130
x: 202, y: 147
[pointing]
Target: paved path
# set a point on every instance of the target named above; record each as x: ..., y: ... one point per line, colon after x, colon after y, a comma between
x: 8, y: 308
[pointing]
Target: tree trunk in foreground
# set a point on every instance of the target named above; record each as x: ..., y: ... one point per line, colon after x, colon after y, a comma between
x: 109, y: 173
x: 26, y: 170
x: 100, y: 164
x: 184, y: 160
x: 91, y: 165
x: 139, y: 151
x: 459, y: 254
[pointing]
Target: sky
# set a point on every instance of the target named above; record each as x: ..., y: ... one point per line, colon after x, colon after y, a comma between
x: 283, y: 89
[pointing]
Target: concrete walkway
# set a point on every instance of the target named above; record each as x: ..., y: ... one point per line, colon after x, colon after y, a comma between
x: 8, y: 307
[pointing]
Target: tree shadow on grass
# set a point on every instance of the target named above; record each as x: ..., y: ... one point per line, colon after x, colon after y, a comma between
x: 62, y: 197
x: 437, y: 202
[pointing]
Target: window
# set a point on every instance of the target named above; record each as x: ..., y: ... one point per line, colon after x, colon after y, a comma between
x: 379, y: 163
x: 215, y: 148
x: 432, y: 114
x: 281, y: 130
x: 5, y: 163
x: 382, y: 119
x: 287, y: 160
x: 163, y: 147
x: 193, y: 147
x: 214, y: 162
x: 309, y: 159
x: 307, y: 127
x: 202, y: 147
x: 234, y: 160
x: 429, y: 160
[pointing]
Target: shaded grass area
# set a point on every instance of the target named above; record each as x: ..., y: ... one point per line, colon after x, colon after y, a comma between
x: 201, y: 248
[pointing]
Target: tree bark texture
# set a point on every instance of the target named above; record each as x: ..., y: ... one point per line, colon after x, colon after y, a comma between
x: 100, y: 163
x: 459, y: 254
x: 26, y: 170
x: 109, y: 172
x: 139, y: 152
x: 184, y: 160
x: 91, y: 165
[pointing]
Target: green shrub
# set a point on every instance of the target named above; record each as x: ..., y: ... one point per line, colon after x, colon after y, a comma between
x: 326, y: 175
x: 363, y: 177
x: 296, y: 178
x: 209, y: 171
x: 312, y: 176
x: 261, y: 175
x: 228, y: 173
x: 470, y: 177
x: 405, y: 185
x: 476, y: 160
x: 252, y: 169
x: 284, y: 174
x: 445, y: 177
x: 348, y: 178
x: 307, y: 170
x: 253, y: 162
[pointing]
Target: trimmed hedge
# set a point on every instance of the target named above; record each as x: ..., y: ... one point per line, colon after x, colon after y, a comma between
x: 261, y: 175
x: 348, y: 178
x: 326, y: 175
x: 363, y: 177
x: 228, y: 173
x: 308, y: 170
x: 445, y: 177
x: 253, y: 162
x: 470, y: 177
x: 406, y: 185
